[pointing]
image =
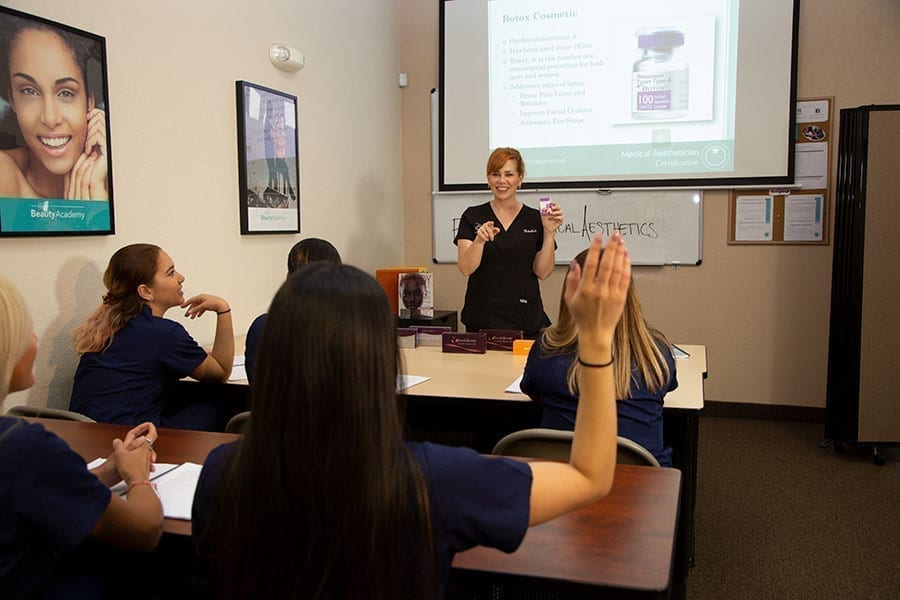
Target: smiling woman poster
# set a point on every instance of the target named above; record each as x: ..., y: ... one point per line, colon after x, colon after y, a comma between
x: 54, y: 142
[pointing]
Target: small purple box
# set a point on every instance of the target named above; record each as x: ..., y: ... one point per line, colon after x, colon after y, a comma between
x: 464, y: 343
x: 501, y: 339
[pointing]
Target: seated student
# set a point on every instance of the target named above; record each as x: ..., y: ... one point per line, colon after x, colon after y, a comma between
x: 131, y: 356
x: 303, y: 253
x: 51, y: 503
x: 648, y: 374
x: 321, y: 498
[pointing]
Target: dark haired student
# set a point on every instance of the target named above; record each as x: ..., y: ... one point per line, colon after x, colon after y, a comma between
x: 301, y: 254
x: 322, y: 498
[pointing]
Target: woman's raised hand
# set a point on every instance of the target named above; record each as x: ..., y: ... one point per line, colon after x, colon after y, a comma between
x: 596, y: 296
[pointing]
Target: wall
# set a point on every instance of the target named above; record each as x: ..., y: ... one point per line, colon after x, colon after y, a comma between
x: 762, y: 312
x: 172, y: 68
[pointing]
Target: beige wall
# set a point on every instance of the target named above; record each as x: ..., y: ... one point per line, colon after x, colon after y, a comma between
x: 172, y: 68
x: 762, y: 312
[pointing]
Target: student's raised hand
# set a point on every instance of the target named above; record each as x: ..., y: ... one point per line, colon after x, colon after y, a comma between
x: 596, y: 296
x: 199, y: 304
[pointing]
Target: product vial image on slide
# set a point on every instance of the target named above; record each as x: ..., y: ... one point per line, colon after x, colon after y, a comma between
x: 660, y: 77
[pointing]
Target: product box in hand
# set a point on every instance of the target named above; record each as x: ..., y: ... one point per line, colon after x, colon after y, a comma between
x: 415, y: 295
x: 388, y: 279
x: 430, y: 335
x: 464, y: 343
x: 502, y: 339
x: 406, y: 337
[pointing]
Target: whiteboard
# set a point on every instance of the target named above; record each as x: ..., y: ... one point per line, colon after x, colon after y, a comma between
x: 660, y: 226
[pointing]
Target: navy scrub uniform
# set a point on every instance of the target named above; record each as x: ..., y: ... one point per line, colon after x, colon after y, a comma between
x: 503, y: 292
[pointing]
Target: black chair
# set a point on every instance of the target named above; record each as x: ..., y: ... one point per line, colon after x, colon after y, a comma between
x: 238, y: 422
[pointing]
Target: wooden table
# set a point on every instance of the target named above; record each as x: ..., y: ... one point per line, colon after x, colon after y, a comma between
x: 94, y: 440
x: 624, y: 542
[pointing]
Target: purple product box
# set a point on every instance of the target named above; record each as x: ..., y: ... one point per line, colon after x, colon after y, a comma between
x: 429, y: 335
x: 406, y: 337
x: 502, y: 339
x: 464, y: 343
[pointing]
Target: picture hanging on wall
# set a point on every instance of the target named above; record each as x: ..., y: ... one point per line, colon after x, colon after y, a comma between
x: 268, y: 160
x: 55, y: 159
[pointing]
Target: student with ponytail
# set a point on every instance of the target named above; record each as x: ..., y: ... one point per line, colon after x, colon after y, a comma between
x: 131, y: 355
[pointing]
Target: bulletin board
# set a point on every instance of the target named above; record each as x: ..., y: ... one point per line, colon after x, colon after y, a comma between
x: 799, y: 214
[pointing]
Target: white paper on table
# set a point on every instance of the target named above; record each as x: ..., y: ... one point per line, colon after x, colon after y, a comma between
x: 515, y: 386
x: 159, y: 469
x: 407, y: 381
x: 238, y: 370
x: 176, y: 490
x: 175, y: 484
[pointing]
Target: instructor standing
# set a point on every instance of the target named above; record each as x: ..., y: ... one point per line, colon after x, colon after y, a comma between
x: 505, y: 247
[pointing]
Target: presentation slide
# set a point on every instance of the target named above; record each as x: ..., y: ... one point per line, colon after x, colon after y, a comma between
x: 590, y: 91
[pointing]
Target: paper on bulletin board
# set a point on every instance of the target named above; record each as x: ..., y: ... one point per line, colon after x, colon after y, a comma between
x: 811, y: 146
x: 803, y: 218
x: 811, y: 165
x: 812, y: 111
x: 753, y: 219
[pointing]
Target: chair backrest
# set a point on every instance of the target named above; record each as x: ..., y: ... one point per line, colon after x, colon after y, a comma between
x: 632, y: 453
x: 557, y: 445
x: 238, y: 422
x: 44, y: 412
x: 536, y: 443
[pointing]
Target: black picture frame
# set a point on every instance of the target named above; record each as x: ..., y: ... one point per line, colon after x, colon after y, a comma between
x: 70, y: 192
x: 268, y: 160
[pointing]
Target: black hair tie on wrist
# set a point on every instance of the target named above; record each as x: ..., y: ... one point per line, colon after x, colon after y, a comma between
x: 595, y: 366
x: 223, y: 312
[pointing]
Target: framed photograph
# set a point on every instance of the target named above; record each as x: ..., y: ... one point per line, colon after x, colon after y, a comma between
x: 268, y: 160
x: 55, y: 159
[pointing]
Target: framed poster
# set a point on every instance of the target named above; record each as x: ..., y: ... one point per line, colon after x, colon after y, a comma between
x: 55, y: 159
x: 268, y: 160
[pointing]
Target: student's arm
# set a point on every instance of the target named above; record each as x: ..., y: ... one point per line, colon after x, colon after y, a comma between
x: 217, y: 365
x: 595, y: 296
x: 545, y: 259
x: 135, y: 523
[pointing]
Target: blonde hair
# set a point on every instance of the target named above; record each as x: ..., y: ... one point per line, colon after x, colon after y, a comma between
x: 128, y: 268
x: 15, y: 332
x: 635, y: 345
